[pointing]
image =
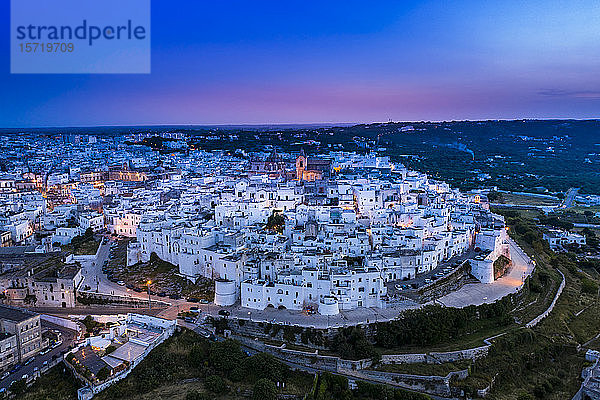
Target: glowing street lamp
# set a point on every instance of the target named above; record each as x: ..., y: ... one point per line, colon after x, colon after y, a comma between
x: 149, y: 301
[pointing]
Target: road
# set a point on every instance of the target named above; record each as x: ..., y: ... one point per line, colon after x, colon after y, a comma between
x: 545, y: 209
x: 569, y: 198
x: 479, y: 293
x: 68, y: 338
x: 96, y: 310
x: 97, y: 280
x: 591, y: 226
x: 99, y: 283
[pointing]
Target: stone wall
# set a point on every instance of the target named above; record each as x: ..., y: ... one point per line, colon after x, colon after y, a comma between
x: 436, y: 357
x: 116, y: 300
x: 543, y: 315
x: 64, y: 322
x: 313, y: 360
x: 315, y: 338
x: 435, y: 385
x: 441, y: 287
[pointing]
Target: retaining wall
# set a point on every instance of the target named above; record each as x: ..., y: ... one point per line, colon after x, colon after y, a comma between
x: 543, y: 315
x: 436, y: 357
x: 64, y: 322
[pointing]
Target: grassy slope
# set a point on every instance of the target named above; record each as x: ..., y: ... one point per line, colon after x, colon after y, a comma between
x: 544, y: 362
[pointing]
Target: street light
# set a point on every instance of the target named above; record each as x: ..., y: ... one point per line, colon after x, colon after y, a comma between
x: 149, y: 302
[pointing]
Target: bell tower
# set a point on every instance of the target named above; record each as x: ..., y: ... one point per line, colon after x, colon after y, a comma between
x: 300, y: 165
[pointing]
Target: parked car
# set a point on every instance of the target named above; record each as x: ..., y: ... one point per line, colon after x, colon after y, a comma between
x: 15, y: 368
x: 399, y: 287
x: 29, y: 361
x: 204, y: 301
x: 174, y: 296
x: 189, y: 319
x: 224, y: 313
x: 5, y: 375
x: 162, y: 294
x: 121, y: 283
x: 193, y: 300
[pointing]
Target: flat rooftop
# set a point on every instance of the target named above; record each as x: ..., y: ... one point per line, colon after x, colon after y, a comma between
x: 14, y: 314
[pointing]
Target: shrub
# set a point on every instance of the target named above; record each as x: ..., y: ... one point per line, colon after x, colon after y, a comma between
x: 215, y: 384
x: 225, y: 356
x: 589, y: 286
x: 525, y: 396
x: 195, y: 395
x: 264, y: 389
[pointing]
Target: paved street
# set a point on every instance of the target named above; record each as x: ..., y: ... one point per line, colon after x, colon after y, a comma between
x: 569, y: 198
x: 68, y: 338
x: 479, y: 293
x: 99, y: 283
x: 97, y: 280
x: 95, y: 310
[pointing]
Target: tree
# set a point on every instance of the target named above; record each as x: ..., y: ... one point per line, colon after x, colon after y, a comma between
x: 351, y: 343
x: 89, y: 323
x: 275, y: 222
x: 215, y: 384
x: 525, y: 396
x: 17, y: 388
x: 198, y: 355
x: 500, y: 266
x: 195, y: 395
x: 264, y: 365
x: 102, y: 374
x: 495, y: 197
x: 225, y: 356
x: 264, y: 389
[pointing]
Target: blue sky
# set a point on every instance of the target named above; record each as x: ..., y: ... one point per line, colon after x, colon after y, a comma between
x: 344, y: 61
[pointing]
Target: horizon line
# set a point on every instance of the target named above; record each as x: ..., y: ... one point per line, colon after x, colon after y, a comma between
x: 295, y: 124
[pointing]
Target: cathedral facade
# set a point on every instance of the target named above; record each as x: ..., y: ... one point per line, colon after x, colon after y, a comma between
x: 312, y: 169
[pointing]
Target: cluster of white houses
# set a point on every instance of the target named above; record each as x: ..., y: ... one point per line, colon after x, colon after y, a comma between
x: 325, y: 232
x: 326, y: 243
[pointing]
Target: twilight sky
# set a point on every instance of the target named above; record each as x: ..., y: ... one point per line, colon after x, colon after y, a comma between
x: 234, y: 62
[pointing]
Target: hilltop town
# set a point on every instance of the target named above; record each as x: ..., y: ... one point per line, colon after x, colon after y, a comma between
x: 315, y: 249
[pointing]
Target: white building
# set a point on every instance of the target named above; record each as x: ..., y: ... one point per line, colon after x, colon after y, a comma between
x: 557, y: 239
